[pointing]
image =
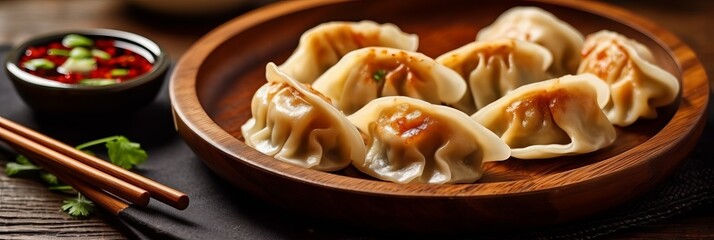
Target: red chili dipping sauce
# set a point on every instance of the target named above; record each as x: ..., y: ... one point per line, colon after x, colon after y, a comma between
x: 80, y: 60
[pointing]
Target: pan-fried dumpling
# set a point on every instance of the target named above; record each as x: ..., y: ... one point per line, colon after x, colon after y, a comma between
x: 374, y: 72
x: 493, y: 68
x: 412, y: 141
x: 552, y: 118
x: 295, y: 124
x: 324, y: 45
x: 536, y: 25
x: 637, y: 86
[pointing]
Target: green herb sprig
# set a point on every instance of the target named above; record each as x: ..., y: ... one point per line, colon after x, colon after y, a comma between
x: 78, y: 207
x: 121, y: 151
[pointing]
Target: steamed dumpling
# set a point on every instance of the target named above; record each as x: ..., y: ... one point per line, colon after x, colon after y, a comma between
x: 552, y: 118
x: 369, y: 73
x: 412, y: 141
x: 295, y: 124
x: 637, y: 86
x: 493, y: 68
x: 536, y: 25
x: 324, y: 45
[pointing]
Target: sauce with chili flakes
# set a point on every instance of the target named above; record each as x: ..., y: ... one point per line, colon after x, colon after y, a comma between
x: 121, y: 64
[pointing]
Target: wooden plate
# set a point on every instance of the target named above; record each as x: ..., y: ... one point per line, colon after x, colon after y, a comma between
x: 212, y: 86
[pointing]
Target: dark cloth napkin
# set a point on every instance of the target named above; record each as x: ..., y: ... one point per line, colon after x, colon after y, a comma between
x: 220, y: 211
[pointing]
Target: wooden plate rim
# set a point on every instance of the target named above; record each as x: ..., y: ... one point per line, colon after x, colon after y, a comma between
x: 687, y: 119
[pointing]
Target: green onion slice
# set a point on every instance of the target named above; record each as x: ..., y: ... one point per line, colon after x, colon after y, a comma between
x: 97, y: 82
x: 76, y: 40
x: 57, y: 52
x: 379, y: 75
x: 78, y: 65
x: 38, y: 63
x: 118, y: 72
x: 101, y: 54
x: 80, y: 52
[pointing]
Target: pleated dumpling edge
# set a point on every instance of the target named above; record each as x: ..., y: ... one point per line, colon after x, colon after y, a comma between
x: 413, y: 141
x: 296, y: 124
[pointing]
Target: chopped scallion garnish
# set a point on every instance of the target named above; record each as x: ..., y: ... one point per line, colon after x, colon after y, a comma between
x: 118, y: 72
x: 57, y: 52
x: 38, y: 63
x: 80, y: 52
x: 101, y: 54
x: 82, y: 65
x: 75, y: 40
x: 379, y: 75
x: 97, y: 82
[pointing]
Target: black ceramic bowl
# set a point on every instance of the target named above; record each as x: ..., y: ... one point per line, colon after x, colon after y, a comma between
x: 47, y: 96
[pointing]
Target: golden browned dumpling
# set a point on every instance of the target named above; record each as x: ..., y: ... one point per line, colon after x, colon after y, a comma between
x: 637, y: 87
x: 324, y: 45
x: 493, y: 68
x: 369, y: 73
x: 295, y: 124
x: 552, y: 118
x: 413, y: 141
x: 533, y: 24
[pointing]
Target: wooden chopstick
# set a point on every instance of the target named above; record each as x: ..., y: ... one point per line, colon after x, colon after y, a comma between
x: 101, y: 198
x: 118, y: 175
x: 102, y: 180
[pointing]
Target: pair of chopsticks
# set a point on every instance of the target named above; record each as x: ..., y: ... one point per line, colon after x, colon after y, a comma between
x: 106, y: 184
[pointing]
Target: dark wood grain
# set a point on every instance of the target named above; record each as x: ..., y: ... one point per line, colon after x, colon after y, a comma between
x: 29, y: 211
x: 212, y: 89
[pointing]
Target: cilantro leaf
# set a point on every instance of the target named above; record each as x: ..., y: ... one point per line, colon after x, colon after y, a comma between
x: 125, y: 153
x: 49, y: 178
x: 96, y: 142
x: 122, y: 152
x: 78, y: 207
x: 63, y: 188
x: 20, y: 166
x: 13, y: 168
x: 21, y: 159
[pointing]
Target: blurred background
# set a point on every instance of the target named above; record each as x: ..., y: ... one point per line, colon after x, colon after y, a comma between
x: 176, y: 24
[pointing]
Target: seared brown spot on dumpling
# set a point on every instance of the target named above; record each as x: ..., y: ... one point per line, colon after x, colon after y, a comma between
x: 411, y: 124
x: 413, y: 141
x: 396, y: 71
x: 609, y: 61
x: 317, y: 93
x: 532, y: 120
x: 370, y: 73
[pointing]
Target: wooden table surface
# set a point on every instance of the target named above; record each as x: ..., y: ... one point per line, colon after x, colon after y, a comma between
x: 29, y: 211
